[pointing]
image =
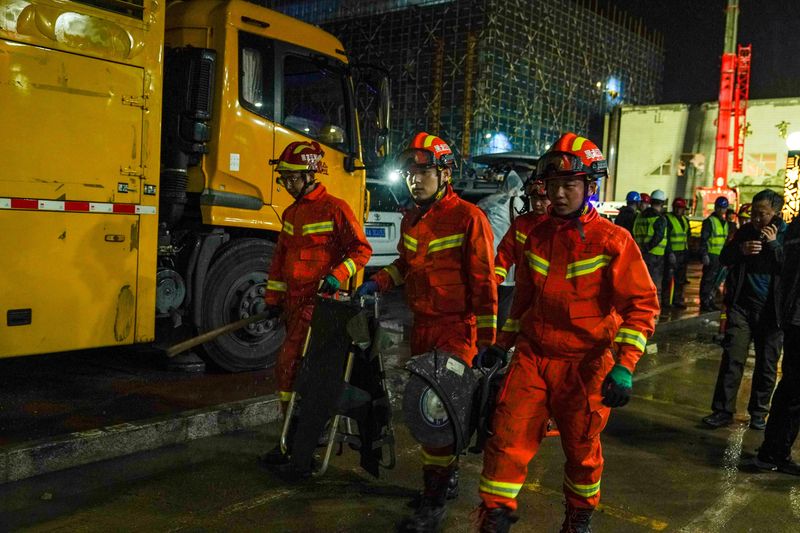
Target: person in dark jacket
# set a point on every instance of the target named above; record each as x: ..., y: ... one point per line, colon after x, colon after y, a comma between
x: 627, y: 214
x: 784, y: 415
x: 754, y: 258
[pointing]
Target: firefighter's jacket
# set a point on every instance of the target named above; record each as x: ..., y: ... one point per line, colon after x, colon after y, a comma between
x: 447, y: 266
x: 511, y: 247
x: 320, y: 236
x: 583, y: 288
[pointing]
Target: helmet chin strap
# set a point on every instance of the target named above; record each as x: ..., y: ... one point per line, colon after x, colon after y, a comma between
x: 308, y: 184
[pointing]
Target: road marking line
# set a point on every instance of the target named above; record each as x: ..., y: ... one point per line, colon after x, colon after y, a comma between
x: 640, y: 520
x: 255, y: 502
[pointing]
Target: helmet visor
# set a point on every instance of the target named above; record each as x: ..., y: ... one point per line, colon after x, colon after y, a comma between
x: 560, y: 164
x: 415, y: 159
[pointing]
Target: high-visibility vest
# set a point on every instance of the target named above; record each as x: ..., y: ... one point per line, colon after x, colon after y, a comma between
x: 643, y: 231
x: 719, y: 234
x: 678, y: 237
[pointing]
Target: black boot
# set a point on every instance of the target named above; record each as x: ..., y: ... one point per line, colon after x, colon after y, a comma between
x: 430, y: 514
x: 496, y: 520
x: 452, y: 485
x: 274, y: 457
x: 577, y: 520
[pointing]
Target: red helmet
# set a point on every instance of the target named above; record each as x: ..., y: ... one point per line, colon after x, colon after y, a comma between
x: 746, y: 211
x: 679, y: 203
x: 645, y: 198
x: 426, y: 151
x: 300, y: 156
x: 572, y: 155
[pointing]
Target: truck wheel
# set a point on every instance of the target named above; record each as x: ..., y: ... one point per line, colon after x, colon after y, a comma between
x: 234, y: 289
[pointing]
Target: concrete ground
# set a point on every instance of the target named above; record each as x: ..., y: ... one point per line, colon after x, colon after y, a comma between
x: 664, y: 472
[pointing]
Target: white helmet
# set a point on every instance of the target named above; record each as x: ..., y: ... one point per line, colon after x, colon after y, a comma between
x: 658, y: 195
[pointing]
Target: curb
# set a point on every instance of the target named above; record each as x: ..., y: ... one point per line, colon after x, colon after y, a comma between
x: 76, y: 449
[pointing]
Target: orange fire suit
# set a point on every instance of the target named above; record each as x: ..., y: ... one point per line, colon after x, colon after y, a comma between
x: 320, y: 236
x: 582, y: 289
x: 446, y: 265
x: 510, y: 250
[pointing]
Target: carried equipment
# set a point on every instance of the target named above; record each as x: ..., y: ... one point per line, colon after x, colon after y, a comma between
x: 340, y: 391
x: 445, y: 402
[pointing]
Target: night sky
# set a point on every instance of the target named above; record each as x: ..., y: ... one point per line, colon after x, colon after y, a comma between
x: 694, y: 33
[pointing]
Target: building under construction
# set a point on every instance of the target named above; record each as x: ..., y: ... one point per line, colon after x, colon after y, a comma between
x: 497, y: 75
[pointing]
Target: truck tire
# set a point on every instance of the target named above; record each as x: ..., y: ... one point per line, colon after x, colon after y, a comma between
x: 234, y: 289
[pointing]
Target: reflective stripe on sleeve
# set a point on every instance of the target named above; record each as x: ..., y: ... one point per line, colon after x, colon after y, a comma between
x: 409, y: 242
x: 585, y: 491
x: 350, y: 265
x: 538, y: 264
x: 631, y: 336
x: 318, y: 227
x: 487, y: 321
x: 451, y: 241
x: 500, y: 271
x: 273, y: 285
x: 288, y: 227
x: 521, y: 237
x: 587, y: 266
x: 500, y: 488
x: 511, y: 325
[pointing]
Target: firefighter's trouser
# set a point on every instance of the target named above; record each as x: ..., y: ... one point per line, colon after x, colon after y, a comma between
x: 783, y: 423
x: 457, y: 337
x: 745, y: 326
x: 297, y: 320
x: 535, y: 389
x: 675, y: 279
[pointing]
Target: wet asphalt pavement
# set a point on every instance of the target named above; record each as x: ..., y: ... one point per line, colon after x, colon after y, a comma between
x: 664, y: 472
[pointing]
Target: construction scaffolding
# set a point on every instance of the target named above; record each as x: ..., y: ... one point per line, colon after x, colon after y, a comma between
x: 497, y: 75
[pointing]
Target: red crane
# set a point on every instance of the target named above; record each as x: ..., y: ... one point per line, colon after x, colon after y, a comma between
x: 734, y: 88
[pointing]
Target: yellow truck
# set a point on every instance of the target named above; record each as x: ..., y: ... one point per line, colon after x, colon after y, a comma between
x: 135, y: 191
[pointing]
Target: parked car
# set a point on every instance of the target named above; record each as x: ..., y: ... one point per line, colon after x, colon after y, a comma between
x: 492, y: 169
x: 386, y: 208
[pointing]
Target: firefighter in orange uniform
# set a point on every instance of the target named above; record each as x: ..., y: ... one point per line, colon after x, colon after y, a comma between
x: 583, y: 290
x: 446, y: 265
x: 320, y: 247
x: 509, y: 251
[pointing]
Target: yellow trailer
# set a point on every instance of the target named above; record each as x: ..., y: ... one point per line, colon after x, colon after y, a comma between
x: 135, y: 190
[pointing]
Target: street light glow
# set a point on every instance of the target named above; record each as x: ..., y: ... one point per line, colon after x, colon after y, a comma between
x: 793, y: 141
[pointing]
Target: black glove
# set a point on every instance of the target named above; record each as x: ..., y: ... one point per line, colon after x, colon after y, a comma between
x: 616, y: 390
x: 489, y: 356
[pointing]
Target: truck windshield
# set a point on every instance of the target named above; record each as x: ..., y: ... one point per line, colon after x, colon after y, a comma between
x: 315, y: 101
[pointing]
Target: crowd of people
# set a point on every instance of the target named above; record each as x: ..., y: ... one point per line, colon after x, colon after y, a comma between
x: 540, y: 278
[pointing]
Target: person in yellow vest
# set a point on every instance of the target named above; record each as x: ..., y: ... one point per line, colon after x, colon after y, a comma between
x: 650, y: 233
x: 677, y: 254
x: 713, y: 235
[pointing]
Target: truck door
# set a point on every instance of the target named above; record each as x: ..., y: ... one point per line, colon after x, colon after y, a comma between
x: 314, y: 102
